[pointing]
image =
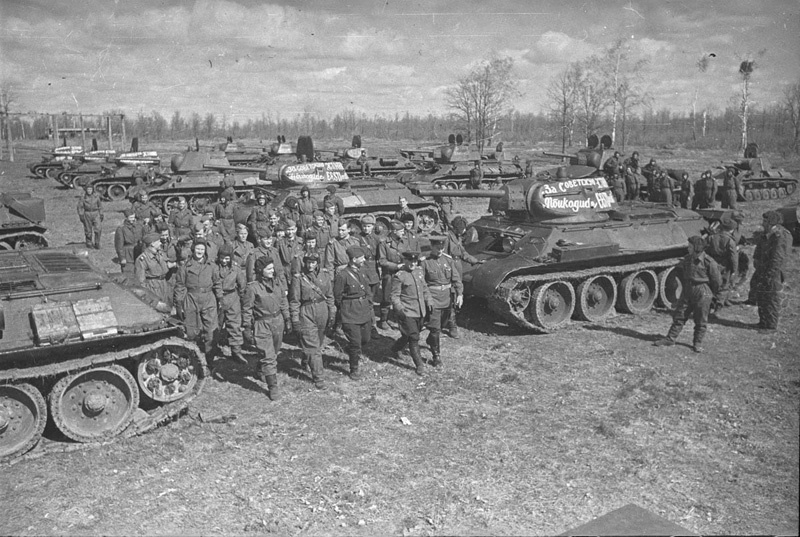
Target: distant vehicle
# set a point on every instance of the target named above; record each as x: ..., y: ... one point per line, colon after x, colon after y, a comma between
x: 373, y: 166
x: 759, y: 179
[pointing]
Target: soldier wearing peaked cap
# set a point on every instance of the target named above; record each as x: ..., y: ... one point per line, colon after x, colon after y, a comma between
x: 445, y: 287
x: 411, y: 300
x: 390, y: 259
x: 127, y: 238
x: 150, y: 268
x: 353, y: 298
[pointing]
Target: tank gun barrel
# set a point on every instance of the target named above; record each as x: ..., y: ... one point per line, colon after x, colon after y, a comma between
x: 251, y: 169
x: 461, y: 193
x: 554, y: 154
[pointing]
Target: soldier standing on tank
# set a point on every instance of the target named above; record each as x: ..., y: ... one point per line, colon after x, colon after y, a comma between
x: 306, y: 206
x: 223, y: 214
x: 258, y: 219
x: 611, y: 166
x: 445, y: 204
x: 150, y: 268
x: 687, y: 191
x: 369, y: 241
x: 363, y: 163
x: 631, y: 184
x: 311, y: 308
x: 701, y: 281
x: 181, y: 220
x: 331, y: 218
x: 90, y: 212
x: 731, y: 186
x: 444, y: 284
x: 390, y: 259
x: 229, y: 299
x: 353, y: 300
x: 666, y: 185
x: 455, y: 249
x: 127, y: 239
x: 632, y: 162
x: 404, y: 210
x: 722, y: 248
x: 337, y: 201
x: 617, y: 185
x: 196, y: 284
x: 476, y: 175
x: 651, y: 171
x: 770, y: 258
x: 705, y: 191
x: 411, y: 301
x: 266, y: 308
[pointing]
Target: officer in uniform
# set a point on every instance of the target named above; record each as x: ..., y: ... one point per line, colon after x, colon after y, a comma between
x: 444, y: 284
x: 369, y: 241
x: 353, y: 299
x: 411, y: 301
x: 181, y: 220
x: 770, y: 258
x: 454, y: 248
x: 266, y: 309
x: 722, y: 248
x: 150, y: 268
x: 336, y: 252
x: 90, y: 213
x: 701, y: 281
x: 390, y: 259
x: 731, y: 185
x: 705, y: 192
x: 259, y: 216
x: 335, y: 199
x: 127, y: 238
x: 196, y: 284
x: 311, y: 308
x: 229, y: 298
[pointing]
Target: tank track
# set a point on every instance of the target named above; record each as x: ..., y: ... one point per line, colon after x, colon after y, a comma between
x: 500, y: 304
x: 34, y: 239
x: 141, y: 424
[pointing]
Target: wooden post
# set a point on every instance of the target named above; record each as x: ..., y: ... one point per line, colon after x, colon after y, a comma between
x: 54, y: 120
x: 124, y: 142
x: 83, y: 132
x: 9, y: 144
x: 108, y: 129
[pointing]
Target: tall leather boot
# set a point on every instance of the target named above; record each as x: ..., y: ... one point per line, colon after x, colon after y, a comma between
x: 415, y: 356
x: 236, y: 354
x: 272, y: 386
x: 436, y: 358
x: 355, y: 374
x: 383, y: 324
x: 97, y: 235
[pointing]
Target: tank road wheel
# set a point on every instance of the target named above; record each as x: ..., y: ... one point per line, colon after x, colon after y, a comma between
x: 23, y: 415
x: 95, y: 404
x: 781, y: 192
x: 748, y: 194
x: 102, y: 191
x: 5, y: 246
x: 169, y: 203
x: 552, y: 305
x: 756, y: 194
x: 452, y: 185
x: 166, y: 375
x: 637, y: 292
x: 427, y: 220
x: 790, y: 188
x: 39, y: 171
x: 519, y: 298
x: 54, y: 173
x: 670, y: 287
x: 773, y: 193
x: 596, y: 297
x: 199, y: 204
x: 116, y: 192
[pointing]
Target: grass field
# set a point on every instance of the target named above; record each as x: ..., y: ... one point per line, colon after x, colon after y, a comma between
x: 517, y: 434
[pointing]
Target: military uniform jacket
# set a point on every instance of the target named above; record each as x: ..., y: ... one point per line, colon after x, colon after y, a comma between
x: 232, y: 281
x: 323, y: 235
x: 336, y: 252
x: 454, y: 248
x: 196, y: 278
x: 306, y: 207
x: 370, y: 245
x: 777, y: 246
x: 390, y: 254
x: 700, y: 269
x: 242, y: 251
x: 410, y: 293
x: 289, y: 249
x: 611, y: 166
x: 722, y: 248
x: 260, y: 252
x: 186, y: 251
x: 400, y: 212
x: 687, y: 187
x: 126, y: 238
x: 89, y: 204
x: 150, y: 266
x: 442, y: 278
x: 333, y: 225
x: 338, y: 201
x: 258, y: 219
x: 224, y: 212
x: 708, y: 187
x: 145, y: 210
x: 265, y: 300
x: 181, y: 222
x: 353, y: 296
x: 310, y: 294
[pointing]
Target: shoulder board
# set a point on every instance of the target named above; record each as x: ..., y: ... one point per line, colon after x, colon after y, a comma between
x: 448, y: 256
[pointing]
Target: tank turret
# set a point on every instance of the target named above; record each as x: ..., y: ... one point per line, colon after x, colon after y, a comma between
x: 586, y: 161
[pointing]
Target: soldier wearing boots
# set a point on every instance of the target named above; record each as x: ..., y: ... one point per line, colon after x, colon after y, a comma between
x: 353, y: 299
x: 266, y: 309
x: 444, y: 284
x: 369, y: 241
x: 705, y: 192
x: 181, y: 220
x: 127, y: 238
x: 454, y: 248
x: 722, y: 248
x: 701, y: 281
x: 196, y: 284
x: 411, y: 301
x: 229, y: 298
x: 90, y: 213
x: 770, y: 258
x: 150, y: 268
x: 390, y: 259
x: 731, y: 185
x: 687, y: 191
x: 311, y: 308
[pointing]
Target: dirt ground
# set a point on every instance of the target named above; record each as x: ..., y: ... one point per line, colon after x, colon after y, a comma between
x: 517, y: 434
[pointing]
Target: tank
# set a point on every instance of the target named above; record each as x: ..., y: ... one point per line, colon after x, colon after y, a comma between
x: 86, y: 167
x: 450, y: 165
x: 759, y: 179
x: 115, y: 183
x: 52, y: 164
x: 564, y: 249
x: 91, y: 353
x: 239, y: 154
x: 385, y: 167
x: 21, y: 221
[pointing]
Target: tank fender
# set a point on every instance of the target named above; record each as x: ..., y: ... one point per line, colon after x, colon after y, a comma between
x: 482, y: 280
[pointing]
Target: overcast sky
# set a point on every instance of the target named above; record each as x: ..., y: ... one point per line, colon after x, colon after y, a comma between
x: 244, y: 58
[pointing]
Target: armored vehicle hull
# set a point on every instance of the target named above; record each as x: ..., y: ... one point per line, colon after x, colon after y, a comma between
x: 21, y: 221
x: 88, y: 352
x: 759, y: 180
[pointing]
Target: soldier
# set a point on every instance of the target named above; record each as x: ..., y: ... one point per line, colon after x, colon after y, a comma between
x: 528, y: 168
x: 289, y: 247
x: 181, y: 220
x: 223, y: 214
x: 390, y: 258
x: 454, y: 248
x: 363, y: 163
x: 331, y: 218
x: 229, y: 298
x: 146, y: 212
x: 333, y: 197
x: 617, y: 185
x: 291, y: 211
x: 410, y: 225
x: 631, y: 184
x: 687, y: 191
x: 770, y: 258
x: 138, y: 185
x: 705, y: 192
x: 201, y: 233
x: 311, y: 308
x: 266, y: 247
x: 321, y: 231
x: 196, y: 284
x: 369, y: 241
x: 445, y: 204
x: 212, y: 234
x: 650, y: 171
x: 444, y: 284
x: 476, y: 175
x: 306, y: 206
x: 612, y: 165
x: 336, y: 252
x: 127, y: 238
x: 150, y: 268
x: 259, y: 216
x: 309, y: 247
x: 731, y: 186
x: 353, y: 300
x: 632, y: 162
x: 722, y: 249
x: 404, y: 210
x: 171, y: 251
x: 90, y: 213
x: 227, y: 185
x: 701, y: 281
x: 411, y: 301
x: 266, y: 309
x: 242, y: 248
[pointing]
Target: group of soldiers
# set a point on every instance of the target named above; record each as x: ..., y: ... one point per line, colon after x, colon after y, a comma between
x: 294, y: 270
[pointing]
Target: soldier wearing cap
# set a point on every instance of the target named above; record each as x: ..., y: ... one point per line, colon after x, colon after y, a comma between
x: 306, y: 206
x: 390, y: 259
x: 127, y: 238
x: 146, y: 211
x: 181, y: 220
x: 667, y: 185
x: 705, y: 191
x: 333, y: 197
x: 320, y: 229
x: 336, y: 250
x: 455, y: 249
x: 90, y: 213
x: 444, y: 283
x: 353, y: 299
x: 403, y: 210
x: 331, y: 217
x: 411, y: 301
x: 370, y: 242
x: 722, y: 247
x: 731, y: 186
x: 242, y: 248
x: 290, y: 246
x: 266, y: 247
x: 476, y: 175
x: 266, y: 309
x: 611, y: 167
x: 258, y: 219
x: 150, y: 268
x: 196, y: 284
x: 311, y: 308
x: 229, y: 299
x: 701, y: 281
x: 223, y: 214
x: 309, y: 247
x: 770, y: 258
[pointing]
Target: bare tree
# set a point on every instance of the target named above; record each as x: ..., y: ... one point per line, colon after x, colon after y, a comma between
x: 209, y: 123
x: 702, y: 66
x: 7, y: 98
x: 563, y: 93
x: 791, y: 105
x: 623, y: 76
x: 593, y: 99
x: 482, y: 97
x: 630, y: 98
x: 746, y: 69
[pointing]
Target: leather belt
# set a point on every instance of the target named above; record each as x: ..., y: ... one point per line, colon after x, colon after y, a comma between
x: 440, y: 287
x: 199, y: 289
x: 354, y: 298
x: 315, y: 301
x: 156, y: 277
x: 265, y: 317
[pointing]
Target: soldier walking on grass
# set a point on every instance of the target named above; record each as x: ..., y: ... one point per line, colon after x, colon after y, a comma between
x: 353, y: 298
x: 196, y: 284
x: 90, y: 212
x: 150, y: 268
x: 444, y: 284
x: 229, y: 298
x: 411, y: 301
x: 390, y: 259
x: 770, y: 257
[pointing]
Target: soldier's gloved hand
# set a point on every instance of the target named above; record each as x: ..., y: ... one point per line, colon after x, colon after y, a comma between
x: 459, y: 301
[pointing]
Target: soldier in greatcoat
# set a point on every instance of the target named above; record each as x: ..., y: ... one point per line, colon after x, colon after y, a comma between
x: 411, y: 301
x: 353, y: 299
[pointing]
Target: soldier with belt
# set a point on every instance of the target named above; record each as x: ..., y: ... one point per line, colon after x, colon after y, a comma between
x: 196, y: 284
x: 353, y: 299
x: 127, y: 238
x: 181, y: 220
x: 90, y: 213
x: 411, y: 301
x: 731, y: 186
x: 223, y: 214
x: 390, y: 259
x: 444, y: 284
x: 311, y: 308
x: 150, y: 268
x: 722, y: 249
x: 770, y: 258
x: 266, y: 309
x: 229, y: 300
x: 705, y: 191
x: 259, y: 216
x: 242, y: 248
x: 454, y: 248
x: 701, y: 281
x: 336, y: 252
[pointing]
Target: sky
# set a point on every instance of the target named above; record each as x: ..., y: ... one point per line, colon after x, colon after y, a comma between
x: 246, y: 58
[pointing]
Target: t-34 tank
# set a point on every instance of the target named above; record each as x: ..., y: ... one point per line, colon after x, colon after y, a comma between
x: 759, y: 179
x: 563, y: 249
x: 21, y: 221
x: 372, y: 166
x: 587, y: 162
x: 86, y: 351
x: 89, y: 166
x: 52, y: 164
